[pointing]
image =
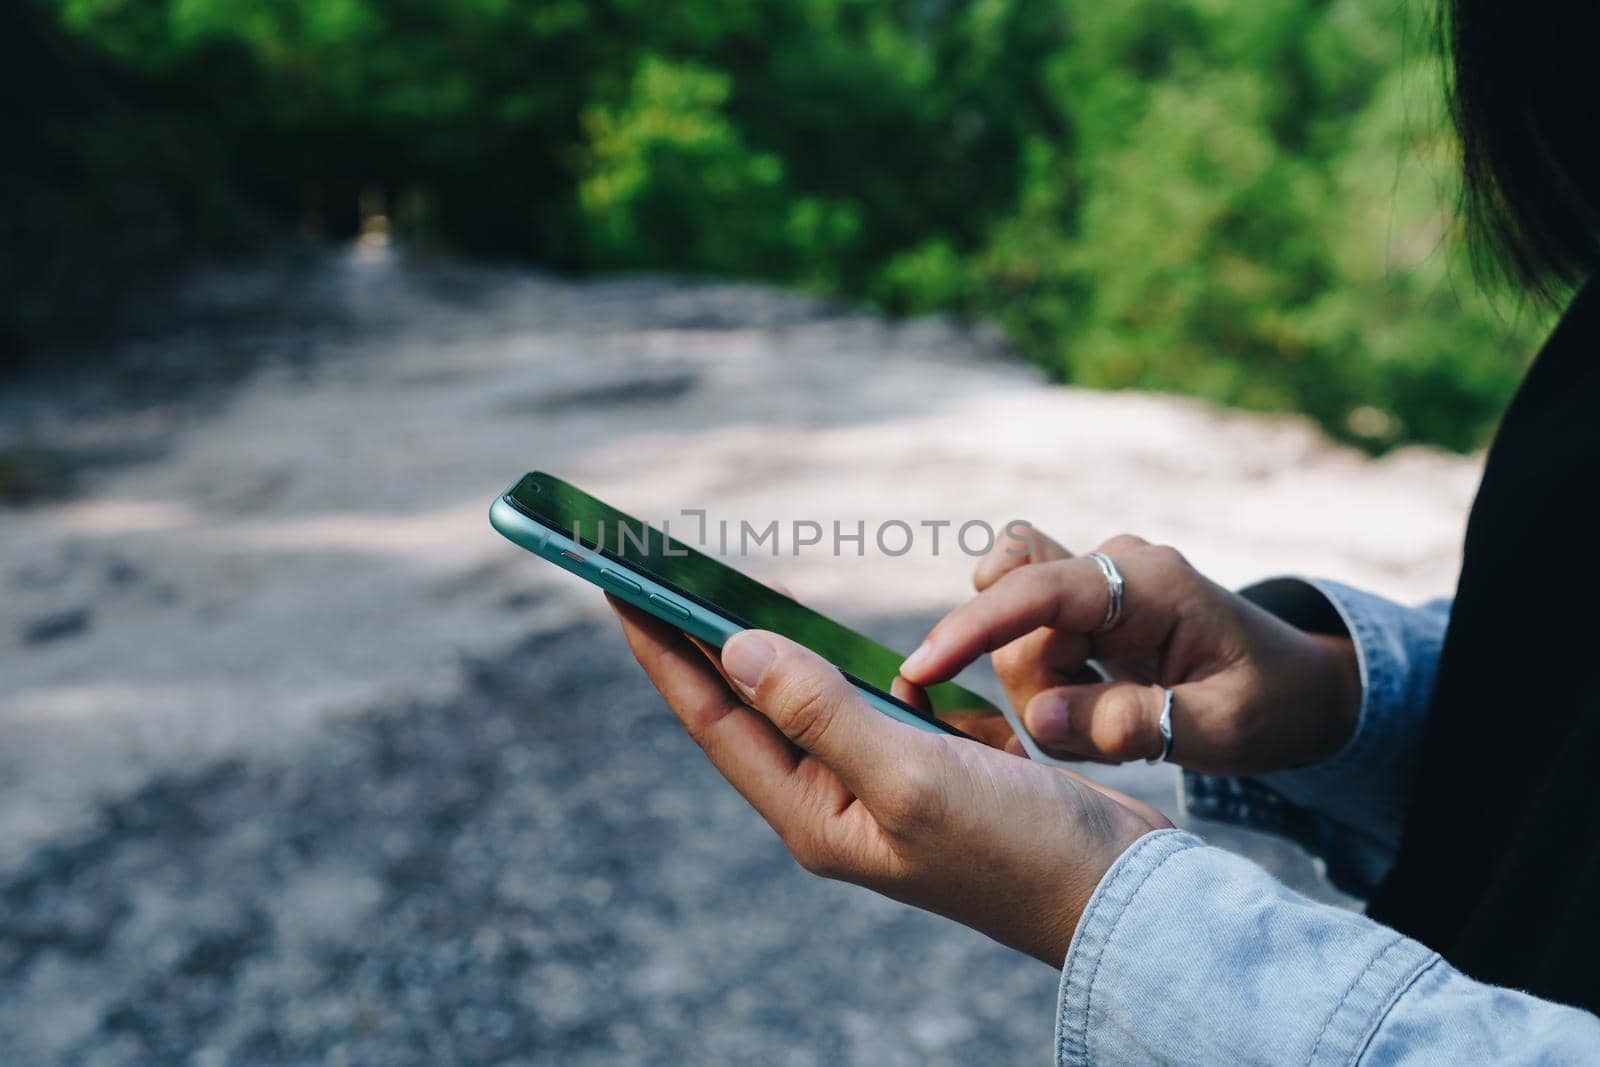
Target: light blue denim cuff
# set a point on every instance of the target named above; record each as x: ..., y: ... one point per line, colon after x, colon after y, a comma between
x: 1350, y: 808
x: 1189, y: 954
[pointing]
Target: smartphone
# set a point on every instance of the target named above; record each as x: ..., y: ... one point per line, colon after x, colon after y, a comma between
x: 712, y: 601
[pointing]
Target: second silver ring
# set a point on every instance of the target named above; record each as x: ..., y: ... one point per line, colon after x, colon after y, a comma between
x: 1164, y: 724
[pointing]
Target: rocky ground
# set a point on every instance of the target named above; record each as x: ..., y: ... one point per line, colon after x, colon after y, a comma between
x: 301, y: 763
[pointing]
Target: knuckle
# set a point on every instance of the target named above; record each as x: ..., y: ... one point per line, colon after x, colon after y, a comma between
x: 914, y: 798
x: 1010, y: 661
x: 1124, y: 542
x: 807, y: 714
x: 1058, y: 571
x: 1126, y: 746
x: 1124, y: 734
x: 1168, y: 559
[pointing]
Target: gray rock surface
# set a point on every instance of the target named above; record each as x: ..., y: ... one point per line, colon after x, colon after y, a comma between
x: 300, y: 763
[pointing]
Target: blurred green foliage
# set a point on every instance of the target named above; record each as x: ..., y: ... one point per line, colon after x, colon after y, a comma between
x: 1248, y: 200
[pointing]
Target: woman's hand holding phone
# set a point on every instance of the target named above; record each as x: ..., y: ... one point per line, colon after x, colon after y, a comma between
x: 1250, y: 692
x: 1007, y: 846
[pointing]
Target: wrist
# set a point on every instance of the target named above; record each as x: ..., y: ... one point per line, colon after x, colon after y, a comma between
x: 1339, y: 689
x: 1120, y: 831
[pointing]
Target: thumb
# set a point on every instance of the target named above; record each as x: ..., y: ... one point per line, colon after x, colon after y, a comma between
x: 813, y: 705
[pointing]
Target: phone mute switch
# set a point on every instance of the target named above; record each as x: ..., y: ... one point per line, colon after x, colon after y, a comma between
x: 670, y: 607
x: 619, y: 583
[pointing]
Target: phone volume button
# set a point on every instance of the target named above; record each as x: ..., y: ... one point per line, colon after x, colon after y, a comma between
x: 671, y: 607
x: 617, y: 581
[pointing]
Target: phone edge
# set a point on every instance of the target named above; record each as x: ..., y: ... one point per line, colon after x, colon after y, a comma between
x: 700, y: 621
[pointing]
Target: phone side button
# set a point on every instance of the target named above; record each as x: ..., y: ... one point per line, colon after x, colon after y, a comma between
x: 671, y: 607
x: 618, y: 582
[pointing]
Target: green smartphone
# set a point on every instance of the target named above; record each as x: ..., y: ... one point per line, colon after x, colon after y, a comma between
x: 710, y: 600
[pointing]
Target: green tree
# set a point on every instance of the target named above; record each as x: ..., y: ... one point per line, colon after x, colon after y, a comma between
x: 1248, y: 200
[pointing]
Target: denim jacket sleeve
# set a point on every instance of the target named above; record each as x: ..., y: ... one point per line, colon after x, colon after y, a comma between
x: 1350, y: 808
x: 1189, y: 954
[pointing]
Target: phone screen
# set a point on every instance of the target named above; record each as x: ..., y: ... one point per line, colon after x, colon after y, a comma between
x: 715, y: 585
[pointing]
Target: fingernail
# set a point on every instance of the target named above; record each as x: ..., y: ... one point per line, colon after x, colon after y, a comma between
x: 1047, y: 717
x: 917, y: 660
x: 746, y: 658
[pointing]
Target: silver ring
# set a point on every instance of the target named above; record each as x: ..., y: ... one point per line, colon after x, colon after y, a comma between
x: 1114, y: 588
x: 1165, y: 724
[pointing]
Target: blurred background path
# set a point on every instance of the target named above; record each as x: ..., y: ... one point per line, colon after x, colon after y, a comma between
x: 300, y: 762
